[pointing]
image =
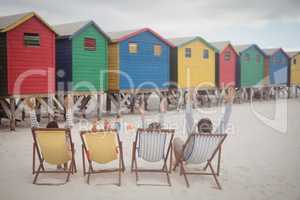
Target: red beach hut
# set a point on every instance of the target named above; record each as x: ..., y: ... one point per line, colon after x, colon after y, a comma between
x: 27, y: 55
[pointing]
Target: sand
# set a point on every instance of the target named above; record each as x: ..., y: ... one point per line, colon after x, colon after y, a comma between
x: 258, y: 162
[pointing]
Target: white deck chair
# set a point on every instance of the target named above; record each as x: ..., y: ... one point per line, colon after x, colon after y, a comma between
x: 200, y: 149
x: 153, y: 145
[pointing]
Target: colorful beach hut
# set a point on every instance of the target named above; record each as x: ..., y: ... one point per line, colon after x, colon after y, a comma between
x: 226, y: 65
x: 251, y: 68
x: 138, y: 59
x: 193, y: 62
x: 27, y: 55
x: 81, y: 57
x: 277, y: 66
x: 295, y: 67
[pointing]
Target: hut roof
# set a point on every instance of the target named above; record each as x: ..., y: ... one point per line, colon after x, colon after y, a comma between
x: 220, y: 45
x: 244, y: 47
x: 10, y: 22
x: 69, y: 30
x: 181, y: 41
x: 120, y: 36
x: 292, y: 53
x: 271, y: 51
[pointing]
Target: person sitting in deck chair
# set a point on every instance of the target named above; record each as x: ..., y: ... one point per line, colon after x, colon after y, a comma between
x: 161, y: 120
x: 33, y: 118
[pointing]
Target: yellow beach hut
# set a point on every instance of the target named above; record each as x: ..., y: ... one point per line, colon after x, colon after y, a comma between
x: 193, y: 62
x: 295, y: 68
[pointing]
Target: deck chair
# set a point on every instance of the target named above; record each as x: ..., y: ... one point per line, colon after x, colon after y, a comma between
x: 152, y: 145
x: 53, y: 146
x: 200, y: 149
x: 102, y: 147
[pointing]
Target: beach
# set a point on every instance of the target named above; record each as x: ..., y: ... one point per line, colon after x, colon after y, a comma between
x: 258, y: 161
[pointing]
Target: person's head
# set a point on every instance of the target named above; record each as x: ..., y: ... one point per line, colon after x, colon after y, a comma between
x: 154, y: 125
x: 205, y: 125
x: 52, y: 124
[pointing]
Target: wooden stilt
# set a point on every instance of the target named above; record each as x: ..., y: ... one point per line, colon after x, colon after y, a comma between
x: 38, y: 110
x: 132, y: 103
x: 50, y: 109
x: 99, y: 106
x: 145, y: 99
x: 118, y: 102
x: 12, y: 114
x: 108, y: 102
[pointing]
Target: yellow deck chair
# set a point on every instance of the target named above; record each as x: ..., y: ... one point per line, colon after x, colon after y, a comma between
x: 102, y: 147
x: 53, y: 146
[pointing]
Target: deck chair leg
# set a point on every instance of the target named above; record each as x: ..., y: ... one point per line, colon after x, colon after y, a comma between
x: 171, y: 156
x: 120, y: 169
x: 83, y: 161
x: 136, y: 170
x: 37, y: 174
x: 133, y: 156
x: 184, y: 174
x: 219, y: 161
x: 33, y: 159
x: 214, y: 175
x: 89, y: 174
x: 122, y: 157
x: 69, y: 171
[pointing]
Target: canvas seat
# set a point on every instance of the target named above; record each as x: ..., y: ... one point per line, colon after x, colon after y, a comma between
x: 53, y: 146
x: 152, y: 145
x: 102, y: 147
x: 200, y: 149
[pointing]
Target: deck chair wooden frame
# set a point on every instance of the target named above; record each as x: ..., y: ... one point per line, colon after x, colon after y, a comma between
x: 85, y: 157
x: 165, y: 169
x: 41, y: 168
x: 217, y: 151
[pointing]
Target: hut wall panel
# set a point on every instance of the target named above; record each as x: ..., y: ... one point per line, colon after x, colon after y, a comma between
x: 295, y: 70
x: 278, y: 71
x: 89, y: 68
x: 64, y: 64
x: 3, y: 65
x: 113, y: 60
x: 227, y: 68
x: 252, y: 72
x: 196, y: 71
x: 143, y: 69
x: 174, y: 65
x: 266, y: 72
x: 31, y: 70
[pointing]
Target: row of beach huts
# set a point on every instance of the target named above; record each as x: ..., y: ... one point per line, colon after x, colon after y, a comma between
x: 38, y: 59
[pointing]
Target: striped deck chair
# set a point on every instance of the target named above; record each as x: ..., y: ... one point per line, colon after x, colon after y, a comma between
x: 53, y: 146
x: 152, y: 145
x: 102, y: 147
x: 200, y: 149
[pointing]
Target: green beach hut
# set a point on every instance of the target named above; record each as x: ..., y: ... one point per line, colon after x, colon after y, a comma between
x: 81, y: 57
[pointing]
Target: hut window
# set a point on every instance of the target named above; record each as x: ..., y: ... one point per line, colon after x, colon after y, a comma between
x: 31, y: 39
x: 90, y: 44
x: 205, y: 54
x: 227, y: 55
x: 295, y: 61
x: 247, y: 57
x: 257, y: 59
x: 188, y: 52
x: 133, y: 47
x: 157, y: 50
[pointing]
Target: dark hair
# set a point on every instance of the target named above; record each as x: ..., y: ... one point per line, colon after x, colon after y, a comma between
x: 52, y: 124
x: 205, y: 125
x: 154, y: 125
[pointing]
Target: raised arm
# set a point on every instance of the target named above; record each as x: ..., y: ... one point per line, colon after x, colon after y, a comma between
x: 228, y: 99
x: 189, y: 117
x: 32, y: 114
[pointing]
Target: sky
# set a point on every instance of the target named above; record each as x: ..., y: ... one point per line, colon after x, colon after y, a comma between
x: 268, y: 23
